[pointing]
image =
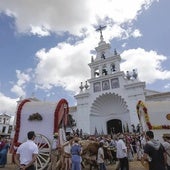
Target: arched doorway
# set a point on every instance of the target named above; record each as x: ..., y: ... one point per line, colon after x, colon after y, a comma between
x: 114, y: 126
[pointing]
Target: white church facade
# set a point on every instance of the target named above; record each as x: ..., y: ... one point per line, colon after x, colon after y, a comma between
x: 108, y: 100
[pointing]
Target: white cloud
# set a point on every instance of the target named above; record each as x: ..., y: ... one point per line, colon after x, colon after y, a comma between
x: 42, y: 16
x: 19, y: 87
x: 18, y: 90
x: 167, y: 86
x: 64, y: 65
x: 124, y: 45
x: 7, y: 105
x: 136, y: 33
x: 40, y: 31
x: 148, y: 64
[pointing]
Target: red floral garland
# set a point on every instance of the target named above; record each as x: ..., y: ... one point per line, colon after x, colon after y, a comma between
x: 18, y: 122
x: 60, y: 105
x: 146, y: 115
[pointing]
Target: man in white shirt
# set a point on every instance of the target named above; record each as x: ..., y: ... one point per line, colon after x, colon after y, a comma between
x: 122, y: 153
x: 27, y: 153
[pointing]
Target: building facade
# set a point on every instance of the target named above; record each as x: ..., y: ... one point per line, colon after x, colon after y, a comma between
x: 107, y: 101
x: 5, y: 126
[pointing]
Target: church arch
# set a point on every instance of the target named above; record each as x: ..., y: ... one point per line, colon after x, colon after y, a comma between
x: 114, y: 126
x: 108, y: 110
x: 109, y: 103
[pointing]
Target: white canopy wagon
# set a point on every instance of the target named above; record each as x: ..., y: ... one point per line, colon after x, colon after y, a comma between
x: 44, y: 118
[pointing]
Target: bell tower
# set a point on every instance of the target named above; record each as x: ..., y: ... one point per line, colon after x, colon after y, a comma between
x: 109, y: 95
x: 105, y: 65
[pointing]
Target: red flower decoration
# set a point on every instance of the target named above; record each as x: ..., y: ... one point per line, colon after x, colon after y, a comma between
x: 150, y: 126
x: 60, y: 114
x: 18, y: 120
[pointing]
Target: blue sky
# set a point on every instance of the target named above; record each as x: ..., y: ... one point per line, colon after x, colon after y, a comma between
x: 45, y: 46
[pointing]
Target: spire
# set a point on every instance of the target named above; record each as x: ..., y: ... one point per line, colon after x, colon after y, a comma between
x: 81, y: 86
x: 100, y: 29
x: 115, y: 52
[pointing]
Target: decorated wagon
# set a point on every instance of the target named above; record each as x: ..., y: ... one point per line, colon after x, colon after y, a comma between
x: 155, y: 116
x: 45, y: 118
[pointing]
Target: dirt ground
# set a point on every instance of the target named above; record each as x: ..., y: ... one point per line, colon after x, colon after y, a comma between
x: 134, y: 165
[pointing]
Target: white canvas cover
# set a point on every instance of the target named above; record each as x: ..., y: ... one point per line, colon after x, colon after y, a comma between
x: 44, y: 118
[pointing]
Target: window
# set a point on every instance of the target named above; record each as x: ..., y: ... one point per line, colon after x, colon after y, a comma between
x: 113, y: 69
x: 104, y: 70
x: 97, y: 86
x: 105, y: 85
x: 115, y: 83
x: 96, y: 72
x: 3, y: 129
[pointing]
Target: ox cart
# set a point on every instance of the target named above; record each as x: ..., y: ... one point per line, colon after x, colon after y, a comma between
x: 44, y: 118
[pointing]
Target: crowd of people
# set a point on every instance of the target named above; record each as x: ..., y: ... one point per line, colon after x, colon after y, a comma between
x: 119, y: 149
x: 116, y: 149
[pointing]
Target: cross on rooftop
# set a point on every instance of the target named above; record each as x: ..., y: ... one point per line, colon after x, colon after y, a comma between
x: 100, y: 29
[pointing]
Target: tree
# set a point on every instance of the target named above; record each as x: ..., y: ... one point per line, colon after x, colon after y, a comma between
x: 71, y: 121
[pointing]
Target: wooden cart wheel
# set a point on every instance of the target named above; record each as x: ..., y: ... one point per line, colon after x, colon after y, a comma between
x: 44, y: 152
